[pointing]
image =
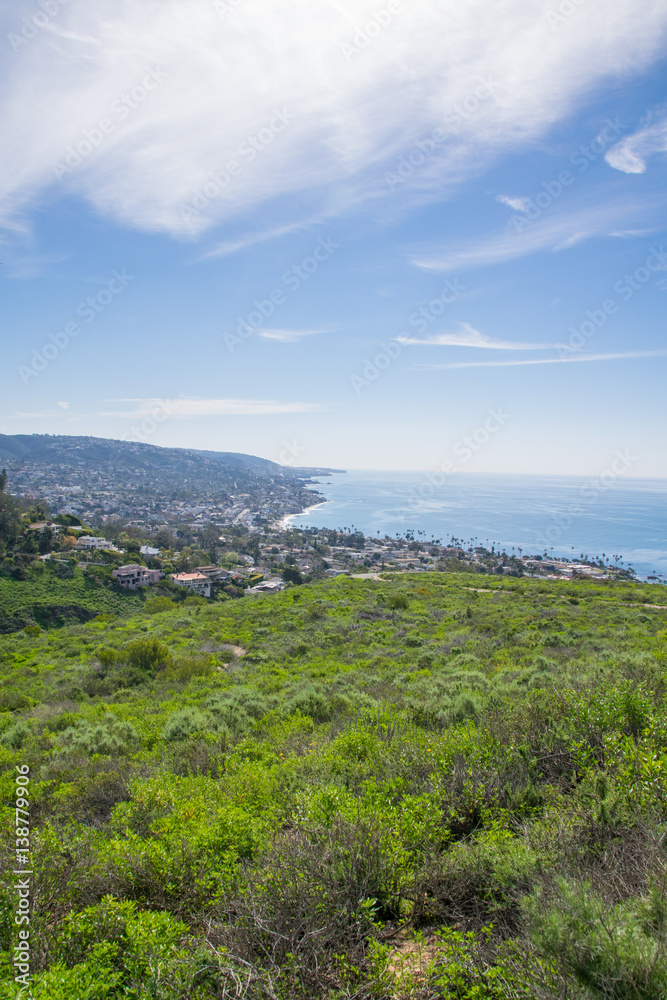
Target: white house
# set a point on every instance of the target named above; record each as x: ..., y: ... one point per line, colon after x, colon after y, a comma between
x: 197, y: 582
x: 88, y: 542
x: 267, y: 587
x: 148, y: 550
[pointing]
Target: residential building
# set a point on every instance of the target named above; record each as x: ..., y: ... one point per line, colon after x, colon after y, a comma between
x: 133, y: 576
x: 43, y: 525
x: 197, y: 582
x: 267, y: 587
x: 213, y: 573
x: 85, y: 543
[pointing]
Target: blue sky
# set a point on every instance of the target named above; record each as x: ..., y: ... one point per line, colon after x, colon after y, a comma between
x: 346, y: 234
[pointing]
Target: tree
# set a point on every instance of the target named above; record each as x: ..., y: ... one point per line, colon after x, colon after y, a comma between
x: 209, y: 537
x: 38, y: 511
x: 291, y: 574
x: 3, y: 480
x: 68, y: 520
x: 29, y: 543
x: 10, y: 518
x: 164, y: 539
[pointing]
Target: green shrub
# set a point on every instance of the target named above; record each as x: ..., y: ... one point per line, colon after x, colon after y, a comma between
x: 186, y: 722
x: 236, y: 710
x: 187, y: 667
x: 109, y: 736
x: 17, y: 736
x: 157, y: 603
x: 229, y: 715
x: 478, y: 882
x: 413, y: 641
x: 127, y: 677
x: 114, y: 950
x: 617, y: 952
x: 398, y: 602
x: 107, y: 656
x: 310, y: 702
x: 194, y: 601
x: 147, y: 654
x: 12, y: 700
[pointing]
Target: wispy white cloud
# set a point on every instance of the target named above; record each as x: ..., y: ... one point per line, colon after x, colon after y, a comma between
x: 630, y: 154
x: 518, y: 204
x: 549, y: 232
x: 351, y: 116
x: 291, y: 336
x: 232, y: 246
x: 18, y: 415
x: 30, y: 265
x: 207, y: 407
x: 468, y: 336
x: 64, y: 406
x: 570, y: 359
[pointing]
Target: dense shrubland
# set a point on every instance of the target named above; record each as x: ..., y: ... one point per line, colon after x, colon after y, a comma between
x: 369, y: 789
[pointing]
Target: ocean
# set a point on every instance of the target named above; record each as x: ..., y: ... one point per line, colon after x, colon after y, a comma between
x: 569, y: 516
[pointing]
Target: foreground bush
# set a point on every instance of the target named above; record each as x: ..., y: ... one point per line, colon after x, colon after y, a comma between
x: 368, y: 789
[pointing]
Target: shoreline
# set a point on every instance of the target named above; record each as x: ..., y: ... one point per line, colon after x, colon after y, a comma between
x: 283, y: 523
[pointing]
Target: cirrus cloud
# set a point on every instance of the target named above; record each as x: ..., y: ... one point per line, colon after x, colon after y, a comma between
x: 630, y: 155
x: 210, y: 135
x: 208, y: 407
x: 291, y: 336
x: 468, y: 336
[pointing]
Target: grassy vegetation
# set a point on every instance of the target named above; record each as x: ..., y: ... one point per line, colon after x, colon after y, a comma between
x: 407, y: 788
x: 59, y: 594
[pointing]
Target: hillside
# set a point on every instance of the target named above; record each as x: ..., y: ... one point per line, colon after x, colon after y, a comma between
x: 60, y: 449
x: 146, y: 482
x: 410, y: 788
x: 49, y: 601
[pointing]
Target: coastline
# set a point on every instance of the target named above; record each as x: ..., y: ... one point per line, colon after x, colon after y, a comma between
x: 548, y: 515
x: 283, y: 523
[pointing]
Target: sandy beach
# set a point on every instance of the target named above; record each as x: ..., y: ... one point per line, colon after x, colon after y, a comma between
x: 284, y: 522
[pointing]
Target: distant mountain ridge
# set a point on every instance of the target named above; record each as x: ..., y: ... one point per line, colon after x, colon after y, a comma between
x: 62, y: 449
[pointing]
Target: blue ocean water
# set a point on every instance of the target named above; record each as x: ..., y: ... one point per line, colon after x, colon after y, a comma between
x: 562, y: 515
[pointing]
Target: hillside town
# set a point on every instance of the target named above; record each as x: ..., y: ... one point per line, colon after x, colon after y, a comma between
x: 211, y: 559
x: 102, y: 481
x: 187, y: 524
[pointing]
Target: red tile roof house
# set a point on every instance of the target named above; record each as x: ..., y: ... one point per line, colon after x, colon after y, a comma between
x: 133, y: 576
